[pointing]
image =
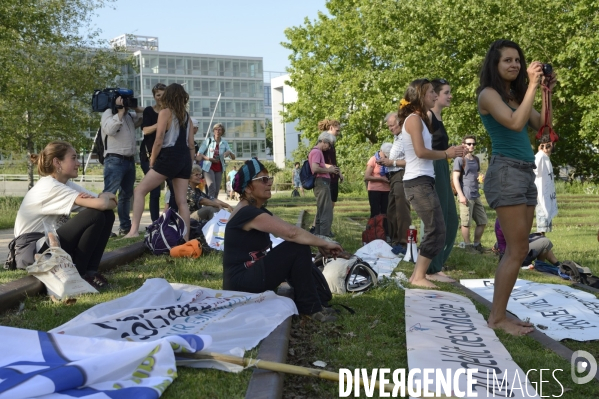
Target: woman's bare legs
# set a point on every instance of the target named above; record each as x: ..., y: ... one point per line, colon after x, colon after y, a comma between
x: 180, y: 187
x: 516, y: 222
x: 150, y: 181
x: 419, y: 274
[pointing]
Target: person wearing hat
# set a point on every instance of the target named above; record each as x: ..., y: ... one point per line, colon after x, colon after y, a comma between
x: 249, y: 262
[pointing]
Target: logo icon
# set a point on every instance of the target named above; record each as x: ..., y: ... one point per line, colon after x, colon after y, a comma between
x: 583, y: 362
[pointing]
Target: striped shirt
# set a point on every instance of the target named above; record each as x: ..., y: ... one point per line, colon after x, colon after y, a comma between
x: 396, y: 153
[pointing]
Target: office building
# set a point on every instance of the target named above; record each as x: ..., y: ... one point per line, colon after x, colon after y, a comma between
x: 238, y: 81
x: 285, y: 137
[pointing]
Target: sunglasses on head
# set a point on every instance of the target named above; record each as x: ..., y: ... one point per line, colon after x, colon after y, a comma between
x: 442, y: 81
x: 160, y: 86
x: 265, y: 179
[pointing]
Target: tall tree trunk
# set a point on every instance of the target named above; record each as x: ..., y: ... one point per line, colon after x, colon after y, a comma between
x: 30, y: 150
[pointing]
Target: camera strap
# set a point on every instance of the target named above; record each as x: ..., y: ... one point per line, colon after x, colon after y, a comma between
x: 547, y: 129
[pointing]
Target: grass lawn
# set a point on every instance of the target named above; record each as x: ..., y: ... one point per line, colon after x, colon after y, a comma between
x: 373, y: 337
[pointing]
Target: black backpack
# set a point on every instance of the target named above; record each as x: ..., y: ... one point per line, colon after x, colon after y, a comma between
x: 306, y: 176
x: 100, y: 146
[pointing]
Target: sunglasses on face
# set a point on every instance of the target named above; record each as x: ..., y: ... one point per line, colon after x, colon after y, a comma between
x: 265, y: 179
x: 472, y: 144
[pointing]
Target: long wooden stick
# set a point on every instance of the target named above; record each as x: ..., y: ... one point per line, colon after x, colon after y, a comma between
x: 279, y: 367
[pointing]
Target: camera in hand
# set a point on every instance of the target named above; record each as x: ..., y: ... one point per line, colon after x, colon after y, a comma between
x: 106, y: 98
x: 547, y: 70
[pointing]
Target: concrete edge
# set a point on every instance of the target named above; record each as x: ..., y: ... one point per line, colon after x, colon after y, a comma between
x: 14, y: 292
x: 266, y: 384
x: 562, y: 351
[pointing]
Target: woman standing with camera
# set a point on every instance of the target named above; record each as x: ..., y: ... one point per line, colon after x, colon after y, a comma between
x: 505, y: 103
x: 149, y: 126
x: 171, y: 155
x: 214, y: 151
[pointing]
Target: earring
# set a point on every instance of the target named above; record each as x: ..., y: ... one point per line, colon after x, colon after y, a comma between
x: 60, y: 169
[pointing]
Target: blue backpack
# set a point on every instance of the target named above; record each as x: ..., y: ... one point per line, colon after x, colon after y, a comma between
x: 306, y: 176
x: 165, y: 232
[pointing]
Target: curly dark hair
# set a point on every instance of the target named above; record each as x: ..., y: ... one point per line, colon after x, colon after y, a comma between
x: 175, y: 98
x: 414, y: 95
x: 489, y: 76
x: 326, y: 124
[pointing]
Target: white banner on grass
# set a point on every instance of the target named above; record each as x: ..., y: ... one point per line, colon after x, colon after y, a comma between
x: 565, y: 311
x: 237, y: 321
x: 56, y: 366
x: 445, y: 331
x: 379, y: 256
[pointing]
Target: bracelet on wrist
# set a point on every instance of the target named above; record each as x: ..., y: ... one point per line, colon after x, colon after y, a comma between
x: 446, y: 155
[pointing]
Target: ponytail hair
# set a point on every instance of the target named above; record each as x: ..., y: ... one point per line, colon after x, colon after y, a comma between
x: 326, y: 124
x: 45, y: 159
x: 413, y: 102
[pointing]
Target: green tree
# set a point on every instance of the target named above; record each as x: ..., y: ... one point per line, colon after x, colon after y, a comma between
x: 268, y: 135
x: 49, y: 73
x: 355, y: 62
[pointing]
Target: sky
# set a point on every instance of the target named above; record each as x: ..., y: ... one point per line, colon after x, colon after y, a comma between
x: 220, y: 27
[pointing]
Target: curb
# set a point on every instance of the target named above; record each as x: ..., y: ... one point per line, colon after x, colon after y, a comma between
x: 14, y: 292
x: 269, y: 384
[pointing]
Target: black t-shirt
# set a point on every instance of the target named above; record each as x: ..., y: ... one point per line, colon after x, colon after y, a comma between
x: 243, y: 248
x: 150, y: 119
x: 440, y: 137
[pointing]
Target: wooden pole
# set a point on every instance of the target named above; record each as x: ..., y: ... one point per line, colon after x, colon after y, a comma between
x: 278, y: 367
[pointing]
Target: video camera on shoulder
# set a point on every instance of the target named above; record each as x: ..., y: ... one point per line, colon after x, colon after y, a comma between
x: 106, y: 98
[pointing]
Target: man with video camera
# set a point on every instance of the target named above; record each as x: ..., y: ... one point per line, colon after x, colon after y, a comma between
x: 118, y: 136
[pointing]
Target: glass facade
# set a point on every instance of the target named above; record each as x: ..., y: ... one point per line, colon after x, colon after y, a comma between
x: 238, y: 80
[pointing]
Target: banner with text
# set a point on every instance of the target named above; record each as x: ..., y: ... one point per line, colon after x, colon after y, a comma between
x: 557, y: 310
x: 237, y: 321
x: 445, y: 332
x: 41, y: 365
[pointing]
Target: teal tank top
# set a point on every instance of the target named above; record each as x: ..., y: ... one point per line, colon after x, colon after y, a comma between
x: 506, y: 142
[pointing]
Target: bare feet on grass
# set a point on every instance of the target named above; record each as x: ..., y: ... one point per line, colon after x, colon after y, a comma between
x: 442, y: 277
x: 423, y: 282
x: 515, y: 327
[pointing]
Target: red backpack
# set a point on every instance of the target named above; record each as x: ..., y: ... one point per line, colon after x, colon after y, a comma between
x: 376, y: 229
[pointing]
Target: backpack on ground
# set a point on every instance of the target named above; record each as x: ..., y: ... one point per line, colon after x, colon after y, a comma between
x: 462, y: 171
x: 349, y: 275
x: 306, y: 176
x: 165, y: 233
x: 376, y: 229
x: 295, y: 193
x: 100, y: 146
x: 322, y: 286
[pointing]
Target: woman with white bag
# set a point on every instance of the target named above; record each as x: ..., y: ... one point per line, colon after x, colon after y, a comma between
x: 51, y: 202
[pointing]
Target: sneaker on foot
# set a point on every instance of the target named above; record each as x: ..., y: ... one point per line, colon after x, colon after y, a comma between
x: 97, y: 281
x: 479, y: 248
x: 123, y: 232
x: 113, y: 234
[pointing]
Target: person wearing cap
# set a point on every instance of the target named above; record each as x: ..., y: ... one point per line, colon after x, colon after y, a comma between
x: 213, y: 152
x: 322, y: 183
x: 250, y: 264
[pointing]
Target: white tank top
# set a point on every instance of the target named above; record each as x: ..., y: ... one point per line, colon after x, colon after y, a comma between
x: 415, y: 166
x: 171, y: 135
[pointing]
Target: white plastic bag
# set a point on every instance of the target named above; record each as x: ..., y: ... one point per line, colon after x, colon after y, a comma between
x: 56, y: 270
x: 214, y: 230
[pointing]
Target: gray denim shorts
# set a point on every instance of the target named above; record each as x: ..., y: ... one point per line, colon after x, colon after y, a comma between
x: 510, y: 182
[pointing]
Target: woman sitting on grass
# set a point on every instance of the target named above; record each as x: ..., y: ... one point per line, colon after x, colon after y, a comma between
x: 52, y: 200
x: 249, y: 262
